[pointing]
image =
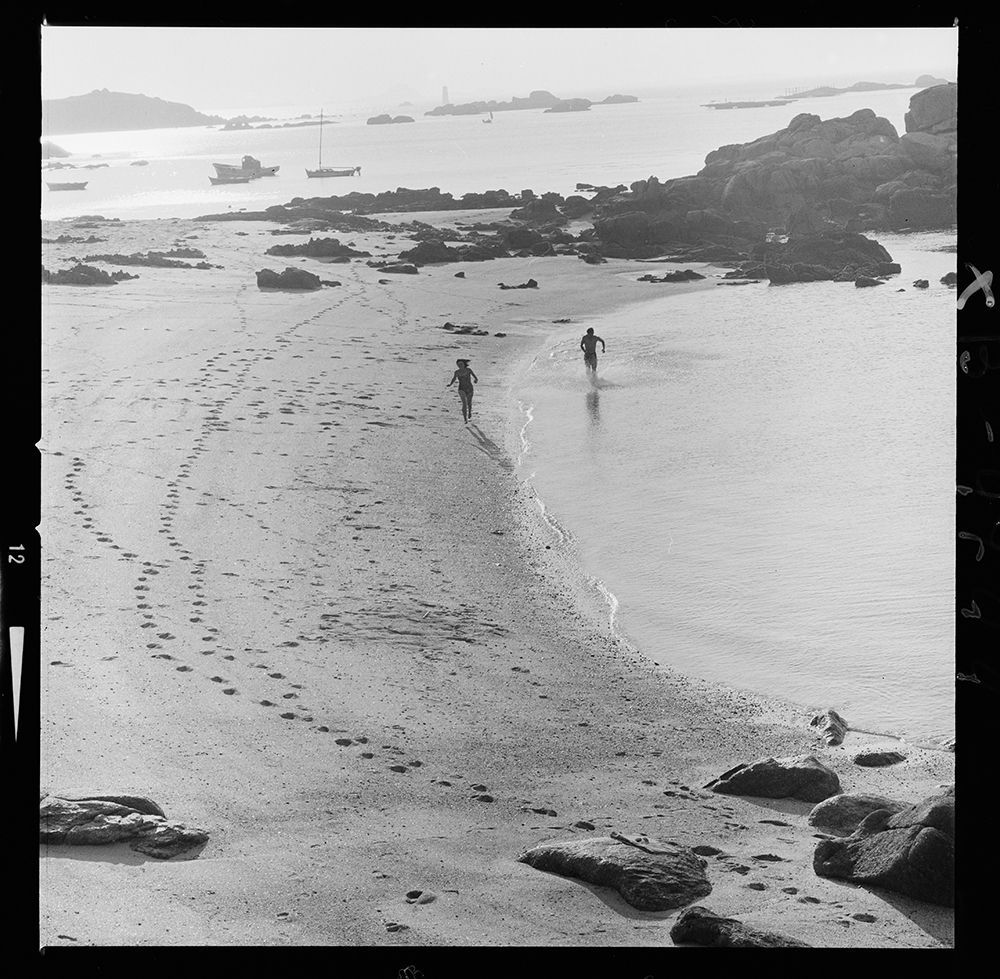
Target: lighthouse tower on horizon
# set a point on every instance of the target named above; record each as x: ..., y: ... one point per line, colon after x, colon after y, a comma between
x: 444, y: 95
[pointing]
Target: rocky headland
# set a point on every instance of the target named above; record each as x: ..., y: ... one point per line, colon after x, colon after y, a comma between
x: 104, y: 111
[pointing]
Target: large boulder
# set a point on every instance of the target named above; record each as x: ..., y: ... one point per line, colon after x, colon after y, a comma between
x: 98, y: 822
x: 842, y: 814
x: 934, y: 110
x: 930, y: 151
x: 650, y: 874
x: 701, y: 926
x: 428, y: 253
x: 291, y: 278
x: 800, y: 777
x: 911, y: 852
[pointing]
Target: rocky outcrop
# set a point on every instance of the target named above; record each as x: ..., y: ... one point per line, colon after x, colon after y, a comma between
x: 831, y: 255
x: 843, y: 171
x: 617, y: 100
x: 102, y: 820
x: 681, y: 275
x: 700, y: 926
x: 154, y: 259
x: 934, y: 110
x: 801, y: 777
x: 842, y: 814
x: 539, y: 211
x: 530, y: 284
x: 84, y: 275
x: 649, y: 874
x: 318, y: 248
x: 385, y: 120
x: 432, y: 252
x: 400, y: 269
x: 911, y: 852
x: 289, y: 279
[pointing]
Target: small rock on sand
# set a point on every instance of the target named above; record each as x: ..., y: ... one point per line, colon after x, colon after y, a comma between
x: 832, y: 726
x: 701, y: 926
x: 873, y: 758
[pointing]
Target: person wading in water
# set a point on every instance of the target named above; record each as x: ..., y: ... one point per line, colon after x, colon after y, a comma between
x: 588, y: 344
x: 465, y: 377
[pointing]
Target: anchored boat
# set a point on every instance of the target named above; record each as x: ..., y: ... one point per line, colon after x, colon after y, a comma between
x: 322, y: 171
x: 76, y: 186
x: 250, y: 168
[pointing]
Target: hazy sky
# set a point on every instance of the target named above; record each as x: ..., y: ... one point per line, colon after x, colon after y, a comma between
x: 214, y: 68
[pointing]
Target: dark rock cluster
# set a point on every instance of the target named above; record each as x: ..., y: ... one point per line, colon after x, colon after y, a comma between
x: 319, y: 248
x: 84, y: 275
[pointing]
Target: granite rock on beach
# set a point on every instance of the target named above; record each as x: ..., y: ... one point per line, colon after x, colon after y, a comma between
x: 800, y: 777
x: 843, y: 813
x: 650, y: 874
x: 911, y: 852
x: 103, y: 820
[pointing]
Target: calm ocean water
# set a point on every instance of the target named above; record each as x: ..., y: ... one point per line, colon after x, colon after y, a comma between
x: 663, y: 137
x: 764, y: 480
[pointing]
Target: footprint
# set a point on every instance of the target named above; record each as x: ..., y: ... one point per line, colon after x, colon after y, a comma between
x: 183, y: 669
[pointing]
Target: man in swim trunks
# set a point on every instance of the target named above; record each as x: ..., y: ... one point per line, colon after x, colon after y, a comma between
x: 588, y: 344
x: 465, y: 376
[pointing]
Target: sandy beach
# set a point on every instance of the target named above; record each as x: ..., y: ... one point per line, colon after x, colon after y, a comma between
x: 288, y: 595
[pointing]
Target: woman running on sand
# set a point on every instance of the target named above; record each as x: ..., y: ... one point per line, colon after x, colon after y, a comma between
x: 465, y: 377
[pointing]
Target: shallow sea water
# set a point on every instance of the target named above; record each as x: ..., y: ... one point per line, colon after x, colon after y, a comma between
x: 762, y: 478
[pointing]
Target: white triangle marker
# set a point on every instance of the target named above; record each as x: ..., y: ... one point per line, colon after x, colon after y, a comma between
x: 16, y: 659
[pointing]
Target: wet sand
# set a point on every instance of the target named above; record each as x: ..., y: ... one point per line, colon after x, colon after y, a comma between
x: 288, y: 595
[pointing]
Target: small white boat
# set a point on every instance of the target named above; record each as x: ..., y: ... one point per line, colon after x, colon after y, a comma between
x: 76, y: 186
x: 243, y: 179
x: 322, y: 171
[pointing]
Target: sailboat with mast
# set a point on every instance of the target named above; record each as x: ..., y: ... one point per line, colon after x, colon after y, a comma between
x: 490, y: 118
x: 322, y: 171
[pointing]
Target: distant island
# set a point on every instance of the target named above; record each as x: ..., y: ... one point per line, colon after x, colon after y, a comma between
x: 539, y: 99
x: 385, y: 120
x: 103, y: 111
x: 243, y: 122
x: 924, y: 81
x: 825, y: 91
